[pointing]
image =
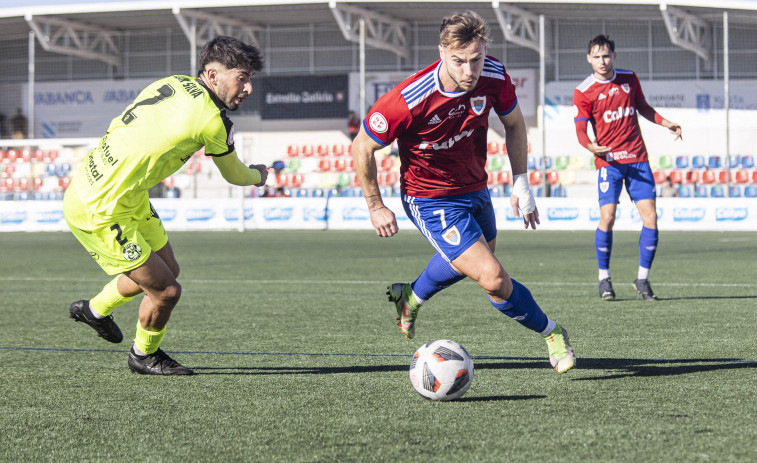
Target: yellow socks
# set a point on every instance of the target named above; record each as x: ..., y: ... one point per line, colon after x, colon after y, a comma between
x: 108, y: 299
x: 148, y: 341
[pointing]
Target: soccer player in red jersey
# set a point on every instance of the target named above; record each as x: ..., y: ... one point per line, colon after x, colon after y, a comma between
x: 439, y: 117
x: 610, y: 99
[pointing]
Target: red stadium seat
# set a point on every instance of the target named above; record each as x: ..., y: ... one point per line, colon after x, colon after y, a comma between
x: 295, y: 180
x: 337, y: 150
x: 339, y: 165
x: 64, y: 182
x: 36, y: 183
x: 293, y: 151
x: 676, y: 176
x: 388, y: 178
x: 534, y: 178
x: 659, y: 176
x: 708, y: 176
x: 324, y: 165
x: 323, y: 150
x: 38, y: 155
x: 504, y: 148
x: 492, y: 148
x: 553, y: 177
x: 754, y: 176
x: 692, y: 176
x: 307, y: 150
x: 169, y: 182
x: 503, y: 178
x: 741, y: 176
x: 6, y: 184
x: 723, y: 177
x: 387, y: 163
x: 491, y: 178
x: 22, y: 184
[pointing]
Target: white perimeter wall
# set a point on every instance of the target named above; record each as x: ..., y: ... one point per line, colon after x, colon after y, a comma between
x: 700, y: 214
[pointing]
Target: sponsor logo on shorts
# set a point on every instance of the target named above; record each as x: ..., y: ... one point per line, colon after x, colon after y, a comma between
x: 132, y: 251
x: 452, y: 236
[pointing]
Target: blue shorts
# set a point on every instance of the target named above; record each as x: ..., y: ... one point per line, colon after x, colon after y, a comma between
x: 452, y: 224
x: 638, y: 179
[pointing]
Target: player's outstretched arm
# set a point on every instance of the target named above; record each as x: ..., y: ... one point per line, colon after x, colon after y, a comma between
x: 651, y: 115
x: 517, y: 148
x: 363, y: 152
x: 236, y: 173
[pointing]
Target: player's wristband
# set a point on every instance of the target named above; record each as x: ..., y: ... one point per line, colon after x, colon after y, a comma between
x: 526, y: 202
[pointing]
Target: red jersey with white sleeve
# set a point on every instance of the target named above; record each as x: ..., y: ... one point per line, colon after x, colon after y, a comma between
x: 612, y: 107
x: 441, y: 136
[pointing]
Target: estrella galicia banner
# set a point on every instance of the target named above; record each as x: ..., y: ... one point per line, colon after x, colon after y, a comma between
x: 301, y: 97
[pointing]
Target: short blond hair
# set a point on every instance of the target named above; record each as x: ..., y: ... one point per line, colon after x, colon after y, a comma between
x: 460, y: 29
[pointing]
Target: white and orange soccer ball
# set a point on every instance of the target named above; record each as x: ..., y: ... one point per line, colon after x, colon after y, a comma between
x: 441, y: 370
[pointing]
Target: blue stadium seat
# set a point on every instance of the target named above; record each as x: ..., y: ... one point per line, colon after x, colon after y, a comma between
x: 747, y: 161
x: 542, y: 163
x: 495, y: 191
x: 385, y: 191
x: 701, y: 191
x: 717, y: 191
x: 714, y: 162
x: 735, y: 191
x: 317, y: 193
x: 682, y: 162
x: 735, y: 161
x: 51, y: 170
x: 559, y: 191
x: 531, y: 163
x: 697, y: 162
x: 750, y: 191
x: 63, y: 169
x: 684, y: 191
x: 302, y: 193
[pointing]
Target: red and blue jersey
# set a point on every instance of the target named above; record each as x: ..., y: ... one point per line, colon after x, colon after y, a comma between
x: 612, y: 106
x: 441, y: 136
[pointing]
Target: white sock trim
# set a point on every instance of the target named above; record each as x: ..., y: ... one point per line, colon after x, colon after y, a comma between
x: 604, y: 273
x: 550, y: 326
x: 643, y: 273
x: 94, y: 314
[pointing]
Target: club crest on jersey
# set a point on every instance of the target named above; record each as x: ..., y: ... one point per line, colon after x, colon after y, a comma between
x: 378, y: 123
x: 626, y: 88
x: 452, y: 236
x: 132, y: 251
x: 604, y: 186
x: 478, y: 103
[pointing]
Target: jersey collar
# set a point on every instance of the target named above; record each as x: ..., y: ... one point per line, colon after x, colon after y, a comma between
x: 600, y: 81
x: 438, y: 83
x: 212, y: 95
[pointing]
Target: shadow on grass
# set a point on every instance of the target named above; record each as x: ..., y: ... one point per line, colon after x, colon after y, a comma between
x: 603, y: 368
x: 614, y: 368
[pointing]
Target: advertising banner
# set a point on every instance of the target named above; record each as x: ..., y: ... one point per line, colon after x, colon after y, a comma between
x: 81, y: 108
x: 680, y: 214
x: 301, y: 97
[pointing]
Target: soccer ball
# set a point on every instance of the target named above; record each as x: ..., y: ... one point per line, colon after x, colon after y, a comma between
x: 441, y: 370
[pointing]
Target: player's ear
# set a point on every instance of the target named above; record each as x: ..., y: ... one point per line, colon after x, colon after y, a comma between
x: 441, y: 52
x: 588, y: 58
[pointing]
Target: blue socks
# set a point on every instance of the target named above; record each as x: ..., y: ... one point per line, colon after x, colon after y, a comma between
x: 603, y: 245
x: 647, y: 246
x: 438, y: 275
x: 522, y: 307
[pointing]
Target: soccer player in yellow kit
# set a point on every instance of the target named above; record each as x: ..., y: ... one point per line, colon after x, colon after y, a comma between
x: 107, y: 206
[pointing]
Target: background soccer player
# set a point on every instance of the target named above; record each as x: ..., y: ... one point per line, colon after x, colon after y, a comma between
x: 611, y: 99
x: 107, y: 207
x: 439, y: 117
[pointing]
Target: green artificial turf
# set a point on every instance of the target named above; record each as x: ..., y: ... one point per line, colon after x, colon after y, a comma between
x: 299, y: 358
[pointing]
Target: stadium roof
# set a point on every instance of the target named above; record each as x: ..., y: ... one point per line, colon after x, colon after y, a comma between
x: 71, y: 23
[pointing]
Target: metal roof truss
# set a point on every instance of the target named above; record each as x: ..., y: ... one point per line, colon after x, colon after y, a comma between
x: 381, y: 31
x: 74, y: 38
x: 685, y: 30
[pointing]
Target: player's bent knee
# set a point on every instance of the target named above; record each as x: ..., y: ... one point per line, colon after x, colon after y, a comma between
x: 169, y: 296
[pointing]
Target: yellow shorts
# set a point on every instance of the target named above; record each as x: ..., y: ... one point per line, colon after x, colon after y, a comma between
x: 118, y: 244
